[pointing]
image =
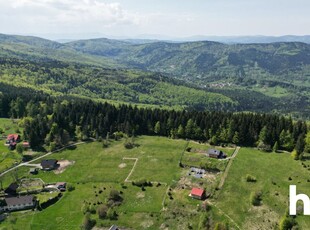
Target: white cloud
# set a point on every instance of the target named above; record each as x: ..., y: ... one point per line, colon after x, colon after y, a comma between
x: 64, y: 15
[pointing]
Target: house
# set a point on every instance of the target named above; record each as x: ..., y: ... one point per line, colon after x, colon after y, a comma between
x: 12, y: 140
x: 18, y: 203
x: 49, y: 164
x: 34, y: 171
x: 197, y: 193
x: 114, y: 227
x: 216, y: 154
x: 12, y: 189
x: 61, y: 186
x: 26, y: 144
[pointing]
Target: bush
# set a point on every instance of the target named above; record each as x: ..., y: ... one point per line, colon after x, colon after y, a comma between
x: 129, y: 145
x: 250, y: 178
x: 118, y: 135
x: 52, y: 146
x: 115, y: 196
x: 256, y: 198
x: 88, y: 223
x: 112, y: 215
x: 70, y: 187
x: 20, y: 148
x: 264, y: 147
x: 287, y: 223
x: 142, y: 183
x: 102, y: 211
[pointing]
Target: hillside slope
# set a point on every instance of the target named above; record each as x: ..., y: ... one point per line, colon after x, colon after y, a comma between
x: 213, y: 76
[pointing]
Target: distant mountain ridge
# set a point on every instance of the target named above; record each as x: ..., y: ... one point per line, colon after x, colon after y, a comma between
x: 247, y: 39
x: 211, y: 75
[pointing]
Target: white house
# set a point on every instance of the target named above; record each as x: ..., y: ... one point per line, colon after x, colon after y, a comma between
x: 17, y: 203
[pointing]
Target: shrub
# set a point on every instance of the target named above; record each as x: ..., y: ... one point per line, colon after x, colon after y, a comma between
x: 112, y: 215
x: 250, y: 178
x: 142, y: 183
x: 88, y: 223
x: 70, y: 187
x: 102, y: 211
x: 287, y: 223
x: 256, y: 198
x: 20, y: 148
x: 264, y: 147
x: 115, y: 196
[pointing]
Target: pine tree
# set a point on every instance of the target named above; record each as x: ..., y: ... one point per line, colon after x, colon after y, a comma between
x: 235, y: 138
x: 300, y: 145
x: 275, y: 147
x: 307, y: 142
x: 157, y: 128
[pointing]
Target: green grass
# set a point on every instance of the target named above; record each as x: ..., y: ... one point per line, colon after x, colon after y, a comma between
x: 8, y: 158
x: 98, y: 169
x: 273, y: 91
x: 272, y: 171
x: 10, y: 126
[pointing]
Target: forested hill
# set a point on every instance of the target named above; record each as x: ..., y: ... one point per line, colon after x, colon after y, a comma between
x: 273, y: 73
x: 54, y: 121
x: 213, y: 76
x: 206, y: 60
x: 43, y: 50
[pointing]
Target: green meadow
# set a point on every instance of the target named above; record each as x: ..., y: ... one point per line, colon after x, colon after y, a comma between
x: 274, y: 172
x: 165, y: 205
x: 8, y: 158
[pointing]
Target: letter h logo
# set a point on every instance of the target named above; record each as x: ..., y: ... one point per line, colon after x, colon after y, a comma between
x: 294, y: 198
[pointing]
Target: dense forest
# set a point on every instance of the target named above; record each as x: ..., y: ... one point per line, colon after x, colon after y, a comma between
x: 204, y: 76
x: 54, y: 121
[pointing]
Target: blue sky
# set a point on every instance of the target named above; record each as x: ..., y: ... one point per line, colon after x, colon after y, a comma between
x: 171, y: 18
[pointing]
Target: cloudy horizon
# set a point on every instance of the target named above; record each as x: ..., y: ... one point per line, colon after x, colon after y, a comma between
x: 70, y: 19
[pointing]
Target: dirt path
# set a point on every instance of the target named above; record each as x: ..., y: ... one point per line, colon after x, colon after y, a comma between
x: 47, y: 154
x: 133, y: 168
x: 228, y: 167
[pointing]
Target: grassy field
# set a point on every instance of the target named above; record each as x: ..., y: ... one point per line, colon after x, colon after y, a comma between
x: 97, y: 170
x: 8, y: 158
x: 274, y: 173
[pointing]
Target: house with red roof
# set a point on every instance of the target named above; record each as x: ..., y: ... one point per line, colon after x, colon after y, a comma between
x: 12, y: 140
x: 13, y: 137
x: 197, y: 193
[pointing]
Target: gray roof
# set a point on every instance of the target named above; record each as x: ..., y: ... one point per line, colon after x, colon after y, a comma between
x: 50, y: 163
x: 113, y: 227
x: 214, y: 152
x: 19, y: 200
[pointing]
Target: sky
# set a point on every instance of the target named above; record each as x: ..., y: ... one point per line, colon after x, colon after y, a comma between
x: 152, y: 18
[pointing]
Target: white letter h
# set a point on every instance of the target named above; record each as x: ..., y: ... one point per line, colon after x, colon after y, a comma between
x: 293, y: 201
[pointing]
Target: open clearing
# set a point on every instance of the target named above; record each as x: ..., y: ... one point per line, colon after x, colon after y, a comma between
x: 63, y: 164
x: 165, y: 205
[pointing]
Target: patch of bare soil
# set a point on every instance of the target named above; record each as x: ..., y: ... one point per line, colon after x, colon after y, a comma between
x: 63, y: 164
x: 184, y: 183
x: 140, y: 195
x: 210, y: 176
x: 122, y: 165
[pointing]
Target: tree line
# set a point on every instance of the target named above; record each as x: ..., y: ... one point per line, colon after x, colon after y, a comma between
x: 54, y: 121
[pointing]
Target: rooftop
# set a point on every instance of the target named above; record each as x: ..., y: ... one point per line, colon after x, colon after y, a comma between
x: 19, y: 200
x: 197, y: 192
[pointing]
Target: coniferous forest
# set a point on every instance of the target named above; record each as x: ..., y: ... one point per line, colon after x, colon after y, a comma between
x: 54, y: 121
